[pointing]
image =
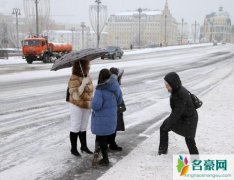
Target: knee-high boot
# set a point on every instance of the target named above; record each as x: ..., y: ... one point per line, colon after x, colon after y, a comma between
x: 73, y: 139
x: 103, y: 145
x: 83, y: 142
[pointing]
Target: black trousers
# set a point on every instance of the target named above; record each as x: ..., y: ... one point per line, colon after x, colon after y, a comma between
x: 101, y: 143
x: 111, y: 139
x: 191, y: 144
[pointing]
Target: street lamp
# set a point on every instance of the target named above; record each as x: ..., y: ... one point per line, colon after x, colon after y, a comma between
x: 37, y: 26
x: 98, y: 31
x: 139, y: 11
x: 16, y: 12
x: 182, y: 30
x: 83, y: 26
x: 195, y: 33
x: 212, y: 30
x: 98, y: 18
x: 204, y: 30
x: 165, y: 38
x: 117, y: 40
x: 72, y: 30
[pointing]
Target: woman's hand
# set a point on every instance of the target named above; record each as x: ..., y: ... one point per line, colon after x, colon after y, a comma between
x: 84, y: 83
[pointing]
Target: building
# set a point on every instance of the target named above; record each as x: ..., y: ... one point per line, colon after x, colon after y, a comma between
x: 195, y: 33
x: 6, y: 32
x: 143, y: 27
x: 92, y: 41
x: 73, y: 35
x: 183, y: 35
x: 217, y: 27
x: 232, y: 36
x: 56, y: 32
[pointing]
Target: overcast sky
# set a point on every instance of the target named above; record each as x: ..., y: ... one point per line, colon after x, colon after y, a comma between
x: 75, y: 11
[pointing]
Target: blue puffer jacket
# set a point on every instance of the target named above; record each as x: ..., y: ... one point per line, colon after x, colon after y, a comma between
x: 104, y: 105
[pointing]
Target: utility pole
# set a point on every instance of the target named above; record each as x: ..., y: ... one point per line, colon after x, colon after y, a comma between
x: 165, y: 38
x: 212, y: 30
x: 16, y: 12
x: 37, y: 23
x: 72, y: 30
x: 83, y: 26
x: 195, y: 35
x: 204, y: 30
x: 182, y: 31
x: 139, y: 11
x: 98, y: 31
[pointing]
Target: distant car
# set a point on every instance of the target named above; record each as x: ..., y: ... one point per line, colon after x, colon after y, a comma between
x: 113, y: 52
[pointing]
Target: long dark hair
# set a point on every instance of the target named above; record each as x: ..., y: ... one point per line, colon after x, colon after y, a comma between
x: 76, y: 70
x: 103, y: 76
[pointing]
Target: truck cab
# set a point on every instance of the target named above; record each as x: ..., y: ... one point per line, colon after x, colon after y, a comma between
x: 34, y: 48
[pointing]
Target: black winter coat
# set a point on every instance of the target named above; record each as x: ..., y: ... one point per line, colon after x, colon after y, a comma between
x: 183, y: 118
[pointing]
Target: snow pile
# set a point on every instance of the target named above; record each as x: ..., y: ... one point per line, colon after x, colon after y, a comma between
x: 214, y: 136
x: 12, y: 60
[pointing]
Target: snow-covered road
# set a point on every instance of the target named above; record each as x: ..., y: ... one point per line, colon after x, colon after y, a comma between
x: 35, y: 121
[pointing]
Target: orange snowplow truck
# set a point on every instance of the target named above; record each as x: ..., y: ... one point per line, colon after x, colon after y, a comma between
x: 39, y: 49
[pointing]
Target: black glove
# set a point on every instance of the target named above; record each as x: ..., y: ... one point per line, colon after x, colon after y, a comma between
x: 122, y: 107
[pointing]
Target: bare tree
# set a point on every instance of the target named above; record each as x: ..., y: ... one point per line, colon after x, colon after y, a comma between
x: 7, y: 33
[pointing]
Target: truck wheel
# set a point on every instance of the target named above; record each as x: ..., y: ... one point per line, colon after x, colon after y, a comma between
x: 29, y: 60
x: 114, y: 56
x: 102, y: 57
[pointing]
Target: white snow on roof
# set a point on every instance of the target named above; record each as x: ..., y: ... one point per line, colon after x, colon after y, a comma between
x: 131, y: 13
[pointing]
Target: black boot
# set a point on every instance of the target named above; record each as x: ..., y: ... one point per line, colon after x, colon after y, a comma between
x: 83, y: 142
x: 191, y: 145
x: 112, y: 144
x: 103, y: 141
x: 73, y: 139
x: 162, y: 151
x: 105, y: 160
x: 163, y: 146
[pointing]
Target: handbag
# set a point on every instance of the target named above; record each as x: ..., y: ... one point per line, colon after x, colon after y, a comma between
x: 196, y: 101
x: 122, y: 107
x: 67, y: 95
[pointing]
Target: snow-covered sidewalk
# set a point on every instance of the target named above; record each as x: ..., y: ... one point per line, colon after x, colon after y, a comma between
x: 214, y: 136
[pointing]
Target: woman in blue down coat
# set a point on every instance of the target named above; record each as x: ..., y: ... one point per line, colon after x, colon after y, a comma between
x: 106, y: 99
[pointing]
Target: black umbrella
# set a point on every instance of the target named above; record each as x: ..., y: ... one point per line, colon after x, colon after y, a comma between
x: 67, y: 60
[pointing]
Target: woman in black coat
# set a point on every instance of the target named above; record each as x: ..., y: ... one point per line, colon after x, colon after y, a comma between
x: 120, y: 121
x: 183, y: 118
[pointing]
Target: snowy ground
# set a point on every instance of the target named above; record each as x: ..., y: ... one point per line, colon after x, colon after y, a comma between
x: 34, y: 117
x: 17, y: 60
x: 214, y: 136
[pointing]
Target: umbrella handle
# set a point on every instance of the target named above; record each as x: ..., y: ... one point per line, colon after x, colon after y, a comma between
x: 82, y: 72
x: 81, y: 69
